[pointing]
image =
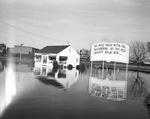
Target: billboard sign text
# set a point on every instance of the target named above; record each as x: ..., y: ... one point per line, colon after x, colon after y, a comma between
x: 104, y: 51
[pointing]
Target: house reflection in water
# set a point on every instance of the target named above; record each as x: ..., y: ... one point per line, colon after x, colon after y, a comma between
x: 109, y: 89
x: 64, y: 77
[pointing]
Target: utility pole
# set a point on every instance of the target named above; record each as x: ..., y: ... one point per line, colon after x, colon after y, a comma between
x: 21, y: 50
x: 68, y: 42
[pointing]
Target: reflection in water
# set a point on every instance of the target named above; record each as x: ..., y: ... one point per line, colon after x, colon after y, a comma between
x: 109, y: 89
x: 108, y: 73
x: 135, y: 83
x: 62, y: 74
x: 147, y: 103
x: 2, y: 65
x: 62, y: 78
x: 7, y: 87
x: 49, y: 82
x: 37, y: 97
x: 112, y: 85
x: 82, y: 68
x: 119, y: 90
x: 136, y: 87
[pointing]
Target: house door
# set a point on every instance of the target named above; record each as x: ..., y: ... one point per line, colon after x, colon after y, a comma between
x: 44, y: 59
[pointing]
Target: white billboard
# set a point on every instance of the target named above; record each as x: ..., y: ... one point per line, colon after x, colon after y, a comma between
x: 113, y: 51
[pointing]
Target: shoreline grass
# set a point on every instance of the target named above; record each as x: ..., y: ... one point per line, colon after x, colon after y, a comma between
x: 145, y: 68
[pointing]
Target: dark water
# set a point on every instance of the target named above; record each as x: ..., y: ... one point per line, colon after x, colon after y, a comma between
x: 40, y: 93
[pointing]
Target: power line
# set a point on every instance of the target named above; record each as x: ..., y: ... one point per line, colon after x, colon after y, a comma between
x: 23, y: 37
x: 27, y: 41
x: 28, y: 31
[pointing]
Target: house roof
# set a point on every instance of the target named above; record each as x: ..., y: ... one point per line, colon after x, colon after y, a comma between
x: 53, y: 49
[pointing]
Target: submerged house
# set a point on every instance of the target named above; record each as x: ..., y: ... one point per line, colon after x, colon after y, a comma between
x: 64, y: 54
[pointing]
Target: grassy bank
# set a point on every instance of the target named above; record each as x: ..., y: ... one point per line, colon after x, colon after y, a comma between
x: 131, y: 67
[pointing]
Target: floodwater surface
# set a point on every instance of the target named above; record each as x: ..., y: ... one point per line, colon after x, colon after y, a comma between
x: 40, y: 93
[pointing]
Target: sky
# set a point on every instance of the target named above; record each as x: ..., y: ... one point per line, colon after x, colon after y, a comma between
x: 80, y: 23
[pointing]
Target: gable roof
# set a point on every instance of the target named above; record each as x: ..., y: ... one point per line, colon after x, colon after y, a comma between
x: 53, y: 49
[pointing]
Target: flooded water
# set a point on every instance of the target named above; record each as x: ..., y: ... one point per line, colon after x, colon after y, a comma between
x: 41, y: 93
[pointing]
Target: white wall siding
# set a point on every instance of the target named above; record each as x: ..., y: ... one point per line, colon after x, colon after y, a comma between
x: 72, y: 56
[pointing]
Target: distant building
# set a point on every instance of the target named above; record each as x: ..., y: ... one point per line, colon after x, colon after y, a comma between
x: 85, y: 54
x: 64, y: 55
x: 22, y: 50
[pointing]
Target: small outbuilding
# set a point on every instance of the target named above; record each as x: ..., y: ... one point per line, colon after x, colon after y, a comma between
x: 64, y: 54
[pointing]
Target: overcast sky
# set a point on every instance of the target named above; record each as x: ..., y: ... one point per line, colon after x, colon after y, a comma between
x: 80, y: 23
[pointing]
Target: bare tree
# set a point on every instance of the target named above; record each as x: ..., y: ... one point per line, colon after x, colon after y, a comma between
x: 139, y: 52
x: 148, y: 46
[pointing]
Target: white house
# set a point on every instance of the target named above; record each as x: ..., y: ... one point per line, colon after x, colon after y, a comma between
x: 64, y: 55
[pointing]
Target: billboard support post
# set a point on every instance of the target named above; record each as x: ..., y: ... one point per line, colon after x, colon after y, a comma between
x: 91, y: 69
x: 126, y: 72
x: 103, y: 70
x: 114, y: 70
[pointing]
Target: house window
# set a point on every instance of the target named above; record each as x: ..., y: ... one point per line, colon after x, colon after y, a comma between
x: 61, y: 74
x: 44, y: 59
x: 52, y: 57
x: 43, y: 71
x: 38, y: 58
x: 63, y: 58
